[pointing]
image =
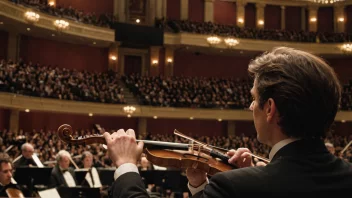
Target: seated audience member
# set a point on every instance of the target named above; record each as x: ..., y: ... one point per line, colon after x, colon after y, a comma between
x: 92, y: 178
x: 26, y: 159
x: 7, y: 185
x: 62, y: 174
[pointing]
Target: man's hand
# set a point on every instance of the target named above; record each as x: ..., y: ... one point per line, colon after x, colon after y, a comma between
x: 122, y: 147
x: 196, y: 177
x: 240, y: 157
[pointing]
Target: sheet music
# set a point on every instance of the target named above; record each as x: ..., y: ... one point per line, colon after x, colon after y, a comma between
x: 37, y: 161
x: 50, y: 193
x: 69, y: 179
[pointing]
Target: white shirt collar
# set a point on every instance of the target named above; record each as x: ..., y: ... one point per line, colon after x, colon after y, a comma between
x: 279, y: 145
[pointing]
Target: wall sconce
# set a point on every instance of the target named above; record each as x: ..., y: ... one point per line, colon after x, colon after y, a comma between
x: 155, y: 62
x: 313, y: 19
x: 169, y: 60
x: 341, y: 19
x: 51, y: 3
x: 90, y: 114
x: 213, y: 40
x: 261, y: 22
x: 61, y: 25
x: 114, y: 58
x: 240, y: 20
x: 32, y: 17
x: 138, y: 20
x: 27, y: 110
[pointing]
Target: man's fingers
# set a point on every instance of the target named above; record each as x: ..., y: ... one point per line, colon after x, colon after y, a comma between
x: 140, y: 146
x: 131, y: 132
x: 107, y: 137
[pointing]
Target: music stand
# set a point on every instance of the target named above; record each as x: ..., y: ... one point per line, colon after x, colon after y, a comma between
x: 165, y: 179
x: 31, y: 176
x: 81, y: 192
x: 81, y: 175
x: 106, y: 176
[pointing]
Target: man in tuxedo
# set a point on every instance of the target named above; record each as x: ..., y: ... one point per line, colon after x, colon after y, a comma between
x: 62, y: 174
x: 296, y: 96
x: 26, y: 159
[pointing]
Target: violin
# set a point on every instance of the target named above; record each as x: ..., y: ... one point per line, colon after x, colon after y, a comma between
x: 166, y: 154
x: 14, y: 192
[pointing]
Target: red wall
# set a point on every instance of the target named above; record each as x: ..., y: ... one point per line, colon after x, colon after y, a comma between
x: 4, y: 118
x: 3, y: 44
x: 173, y: 9
x: 196, y: 10
x: 342, y: 67
x: 188, y: 127
x: 250, y: 15
x: 189, y: 64
x: 348, y: 12
x: 51, y: 121
x: 245, y: 127
x: 225, y: 12
x: 293, y: 13
x: 64, y: 55
x: 326, y: 19
x: 272, y: 17
x: 97, y: 6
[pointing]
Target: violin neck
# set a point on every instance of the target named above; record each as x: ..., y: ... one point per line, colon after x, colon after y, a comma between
x: 164, y: 145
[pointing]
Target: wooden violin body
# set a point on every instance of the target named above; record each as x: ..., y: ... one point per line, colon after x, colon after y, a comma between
x: 14, y: 192
x: 175, y: 158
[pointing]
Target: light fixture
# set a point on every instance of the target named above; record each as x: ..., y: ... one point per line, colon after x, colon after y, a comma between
x: 155, y: 117
x: 169, y: 60
x: 94, y: 43
x: 114, y: 58
x: 231, y: 42
x: 129, y: 109
x: 61, y: 25
x: 219, y: 119
x: 51, y: 3
x: 129, y: 115
x: 52, y: 34
x: 191, y: 118
x: 341, y: 19
x: 313, y: 19
x: 326, y: 1
x: 1, y: 23
x: 138, y: 20
x: 261, y: 22
x: 155, y: 62
x: 31, y: 17
x: 343, y: 121
x: 347, y: 47
x: 90, y: 114
x: 28, y: 29
x: 27, y: 110
x: 213, y: 40
x: 240, y: 20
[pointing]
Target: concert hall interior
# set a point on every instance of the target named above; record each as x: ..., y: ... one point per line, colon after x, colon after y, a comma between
x: 154, y: 66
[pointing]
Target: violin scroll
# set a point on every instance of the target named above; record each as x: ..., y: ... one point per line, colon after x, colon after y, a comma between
x: 65, y: 133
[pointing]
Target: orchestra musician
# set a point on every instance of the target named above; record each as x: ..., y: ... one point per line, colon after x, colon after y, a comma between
x: 62, y: 174
x: 7, y: 186
x: 296, y: 96
x: 26, y: 159
x: 92, y: 178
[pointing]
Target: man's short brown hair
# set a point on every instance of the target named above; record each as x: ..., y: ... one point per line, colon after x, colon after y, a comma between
x: 4, y: 158
x: 304, y: 87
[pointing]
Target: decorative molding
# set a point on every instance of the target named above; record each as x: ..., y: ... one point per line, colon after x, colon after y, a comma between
x: 300, y: 3
x: 252, y: 44
x: 20, y: 102
x: 16, y: 12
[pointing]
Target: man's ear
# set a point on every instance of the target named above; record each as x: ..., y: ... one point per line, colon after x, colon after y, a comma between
x: 270, y: 109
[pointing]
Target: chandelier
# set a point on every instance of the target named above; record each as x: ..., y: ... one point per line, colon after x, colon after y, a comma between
x: 31, y: 17
x: 347, y: 47
x: 213, y: 40
x: 326, y: 1
x: 129, y: 110
x: 61, y: 25
x: 231, y: 42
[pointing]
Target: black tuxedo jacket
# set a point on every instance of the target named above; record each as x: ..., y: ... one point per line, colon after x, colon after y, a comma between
x: 57, y: 178
x: 301, y: 168
x: 23, y: 162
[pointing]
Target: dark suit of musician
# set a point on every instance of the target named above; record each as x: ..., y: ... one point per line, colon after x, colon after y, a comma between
x: 299, y: 168
x: 24, y: 162
x: 57, y: 178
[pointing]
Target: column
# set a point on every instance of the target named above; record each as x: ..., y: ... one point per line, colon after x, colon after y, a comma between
x: 313, y: 18
x: 14, y: 120
x: 159, y: 9
x: 120, y: 60
x: 339, y: 18
x: 283, y: 18
x: 303, y: 19
x: 184, y: 9
x: 13, y: 46
x: 169, y: 61
x: 142, y: 126
x: 152, y: 12
x: 208, y: 10
x: 164, y: 8
x: 231, y: 128
x: 120, y: 10
x: 260, y: 15
x: 154, y: 60
x: 240, y: 4
x: 113, y: 57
